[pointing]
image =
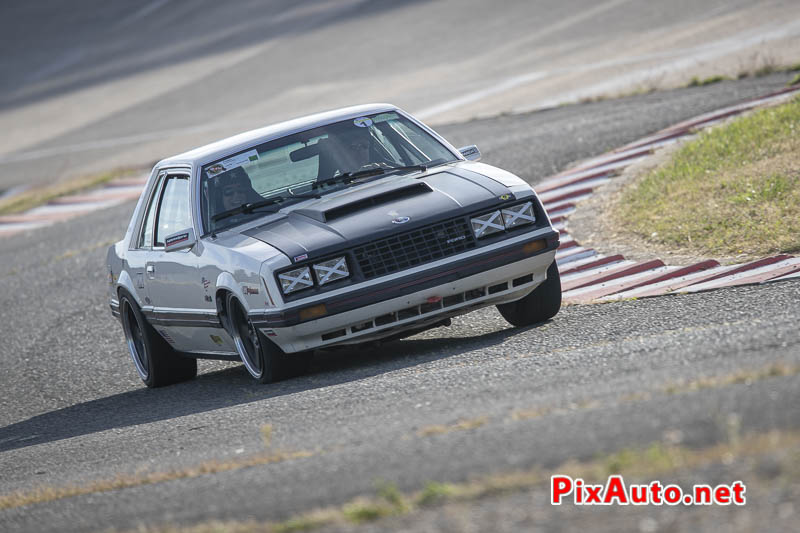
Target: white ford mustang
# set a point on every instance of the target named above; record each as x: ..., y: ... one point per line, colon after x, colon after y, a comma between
x: 340, y: 228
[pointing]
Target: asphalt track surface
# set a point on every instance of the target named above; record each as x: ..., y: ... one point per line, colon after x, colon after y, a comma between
x: 74, y: 411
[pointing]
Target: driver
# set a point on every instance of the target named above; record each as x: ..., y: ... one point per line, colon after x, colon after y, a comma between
x: 354, y: 148
x: 234, y: 189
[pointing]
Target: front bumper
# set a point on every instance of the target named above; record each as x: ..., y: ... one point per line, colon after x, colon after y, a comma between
x: 503, y: 274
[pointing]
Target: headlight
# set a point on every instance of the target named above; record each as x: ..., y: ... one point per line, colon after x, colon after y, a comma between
x: 331, y: 270
x: 295, y: 280
x: 518, y: 215
x: 487, y: 224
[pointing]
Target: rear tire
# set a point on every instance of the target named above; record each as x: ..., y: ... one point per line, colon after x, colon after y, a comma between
x: 540, y: 305
x: 155, y: 360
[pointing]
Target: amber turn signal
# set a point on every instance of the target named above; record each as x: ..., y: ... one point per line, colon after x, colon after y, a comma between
x: 534, y: 246
x: 313, y: 312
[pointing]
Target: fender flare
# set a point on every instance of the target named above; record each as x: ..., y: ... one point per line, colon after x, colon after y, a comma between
x: 226, y: 283
x: 126, y: 282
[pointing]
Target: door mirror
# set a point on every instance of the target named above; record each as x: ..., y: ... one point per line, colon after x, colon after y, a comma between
x: 180, y: 240
x: 471, y: 152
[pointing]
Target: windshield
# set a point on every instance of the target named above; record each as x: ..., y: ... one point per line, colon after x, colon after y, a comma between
x: 234, y: 189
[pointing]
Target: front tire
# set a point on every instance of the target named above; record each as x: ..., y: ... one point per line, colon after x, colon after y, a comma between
x: 263, y: 359
x: 155, y: 360
x: 540, y: 305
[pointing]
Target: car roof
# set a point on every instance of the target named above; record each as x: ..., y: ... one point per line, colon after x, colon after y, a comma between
x: 224, y: 147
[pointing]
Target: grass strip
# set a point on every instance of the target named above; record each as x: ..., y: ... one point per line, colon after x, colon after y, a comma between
x: 734, y: 190
x: 41, y: 195
x: 48, y: 494
x: 697, y: 82
x: 461, y: 425
x: 742, y: 377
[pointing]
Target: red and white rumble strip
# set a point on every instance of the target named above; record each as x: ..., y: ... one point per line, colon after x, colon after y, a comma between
x: 113, y: 193
x: 615, y: 492
x: 586, y: 275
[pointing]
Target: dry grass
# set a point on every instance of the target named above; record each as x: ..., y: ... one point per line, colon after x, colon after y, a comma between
x: 461, y: 425
x: 742, y: 377
x: 266, y: 435
x: 697, y: 82
x: 529, y: 414
x: 733, y: 190
x: 41, y: 195
x: 47, y: 494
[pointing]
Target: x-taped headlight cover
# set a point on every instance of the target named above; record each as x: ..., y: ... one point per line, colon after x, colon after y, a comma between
x: 488, y: 224
x: 296, y: 280
x: 331, y: 270
x: 518, y: 215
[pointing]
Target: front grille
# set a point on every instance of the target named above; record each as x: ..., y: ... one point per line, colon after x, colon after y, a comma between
x: 412, y: 248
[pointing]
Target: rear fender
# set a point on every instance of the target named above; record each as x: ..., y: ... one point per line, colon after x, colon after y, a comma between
x: 126, y: 282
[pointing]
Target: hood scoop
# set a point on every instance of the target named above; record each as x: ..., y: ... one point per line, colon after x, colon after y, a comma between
x: 352, y: 207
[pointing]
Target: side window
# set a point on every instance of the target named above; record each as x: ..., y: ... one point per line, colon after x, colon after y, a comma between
x: 173, y: 208
x: 418, y: 145
x: 146, y: 234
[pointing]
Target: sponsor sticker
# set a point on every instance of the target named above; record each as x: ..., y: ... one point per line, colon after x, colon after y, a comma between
x: 216, y: 339
x: 175, y: 239
x: 249, y: 290
x: 505, y: 197
x: 470, y: 151
x: 363, y: 122
x: 231, y: 163
x: 301, y: 257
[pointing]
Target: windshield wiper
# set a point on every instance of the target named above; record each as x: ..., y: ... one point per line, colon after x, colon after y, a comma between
x: 304, y: 195
x: 246, y: 208
x: 343, y: 178
x: 349, y: 177
x: 251, y: 206
x: 422, y: 168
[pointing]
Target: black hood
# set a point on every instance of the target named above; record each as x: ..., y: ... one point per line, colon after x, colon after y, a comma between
x: 378, y: 209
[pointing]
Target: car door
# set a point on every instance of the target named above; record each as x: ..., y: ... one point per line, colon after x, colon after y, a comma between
x: 183, y: 312
x: 140, y: 252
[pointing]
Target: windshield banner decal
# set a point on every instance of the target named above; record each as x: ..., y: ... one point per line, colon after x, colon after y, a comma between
x: 231, y: 163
